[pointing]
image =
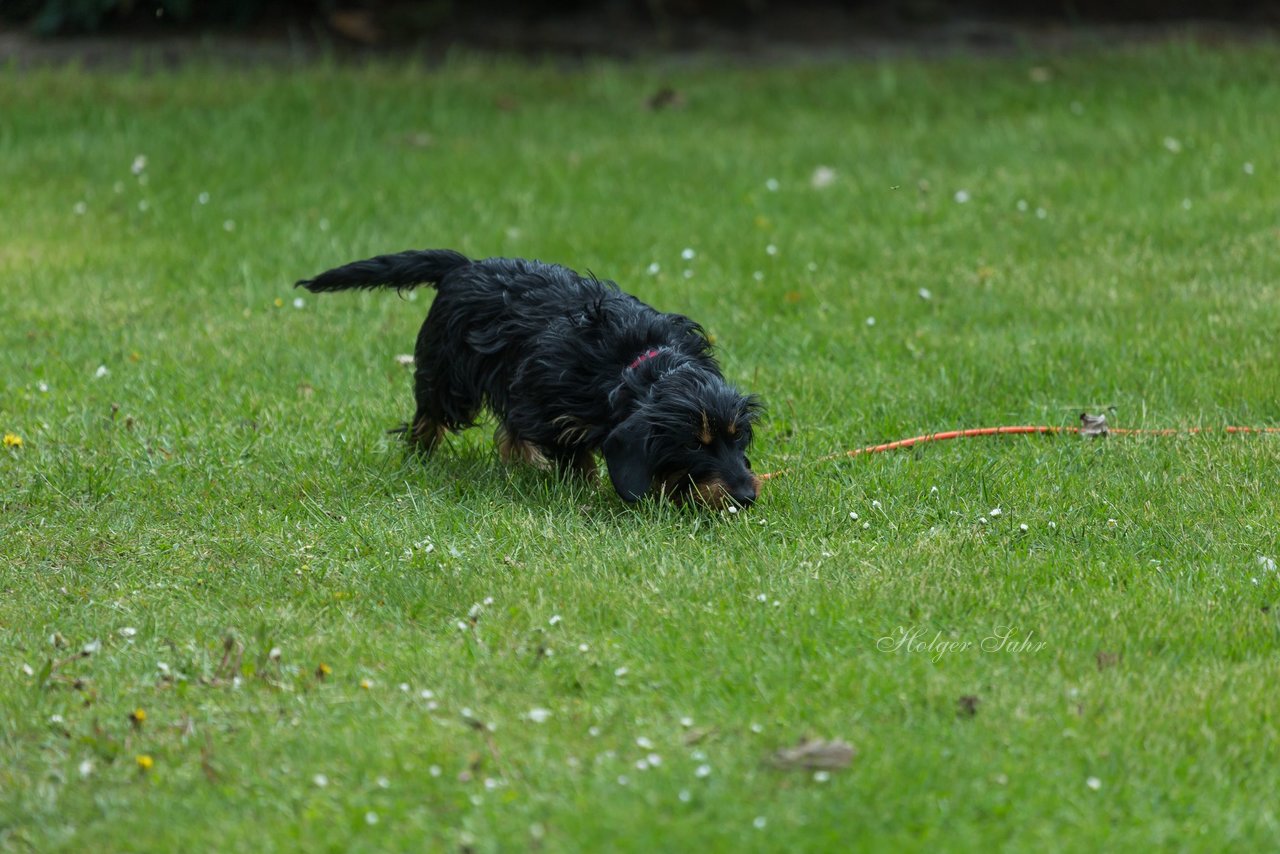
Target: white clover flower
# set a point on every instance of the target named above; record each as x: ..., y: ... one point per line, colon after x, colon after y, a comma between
x: 771, y: 249
x: 688, y: 254
x: 202, y: 199
x: 139, y: 164
x: 654, y: 269
x: 371, y: 818
x: 299, y: 302
x: 644, y: 743
x: 771, y: 185
x: 961, y: 197
x: 320, y: 780
x: 101, y: 372
x: 760, y: 822
x: 1248, y: 168
x: 555, y: 619
x: 925, y: 294
x: 871, y: 321
x: 997, y: 512
x: 1172, y: 144
x: 539, y: 715
x: 823, y: 177
x: 1093, y: 783
x: 702, y: 771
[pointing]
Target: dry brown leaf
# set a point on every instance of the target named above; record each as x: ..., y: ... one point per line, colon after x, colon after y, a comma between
x: 816, y: 754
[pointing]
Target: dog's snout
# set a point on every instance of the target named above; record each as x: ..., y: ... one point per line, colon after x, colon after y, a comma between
x: 746, y: 495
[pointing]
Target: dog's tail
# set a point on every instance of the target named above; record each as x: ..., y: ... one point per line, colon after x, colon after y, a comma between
x: 402, y: 271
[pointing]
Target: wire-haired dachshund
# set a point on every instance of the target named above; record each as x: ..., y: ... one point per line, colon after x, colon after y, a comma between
x: 569, y: 365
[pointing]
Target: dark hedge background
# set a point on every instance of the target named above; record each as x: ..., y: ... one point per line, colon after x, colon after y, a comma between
x: 402, y: 20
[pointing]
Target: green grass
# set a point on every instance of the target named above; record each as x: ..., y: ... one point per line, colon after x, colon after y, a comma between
x: 227, y: 478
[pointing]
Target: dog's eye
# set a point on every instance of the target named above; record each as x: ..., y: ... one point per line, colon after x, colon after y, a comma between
x: 747, y: 460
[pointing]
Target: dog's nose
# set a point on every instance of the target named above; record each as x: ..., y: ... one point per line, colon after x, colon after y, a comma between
x: 745, y: 496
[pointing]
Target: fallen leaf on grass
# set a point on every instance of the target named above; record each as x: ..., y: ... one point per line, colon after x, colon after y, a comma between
x: 664, y: 98
x: 811, y: 755
x: 1106, y: 659
x: 697, y: 734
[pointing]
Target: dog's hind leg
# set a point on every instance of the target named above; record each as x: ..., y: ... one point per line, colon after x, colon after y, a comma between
x: 444, y: 404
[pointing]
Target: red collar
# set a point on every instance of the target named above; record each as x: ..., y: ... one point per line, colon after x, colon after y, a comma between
x: 644, y: 357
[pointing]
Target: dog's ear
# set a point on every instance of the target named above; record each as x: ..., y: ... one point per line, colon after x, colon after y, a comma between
x: 625, y: 454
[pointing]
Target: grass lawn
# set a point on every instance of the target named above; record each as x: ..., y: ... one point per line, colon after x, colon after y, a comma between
x: 300, y: 638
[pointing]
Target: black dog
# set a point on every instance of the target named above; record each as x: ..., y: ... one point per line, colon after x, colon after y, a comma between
x: 569, y: 365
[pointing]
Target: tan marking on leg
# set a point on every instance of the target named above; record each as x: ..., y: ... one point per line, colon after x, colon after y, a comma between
x: 426, y: 434
x: 511, y: 450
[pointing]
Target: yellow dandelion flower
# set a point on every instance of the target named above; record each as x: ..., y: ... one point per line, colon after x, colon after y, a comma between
x: 12, y: 440
x: 366, y: 684
x: 323, y: 670
x: 279, y: 302
x: 145, y: 762
x: 138, y: 716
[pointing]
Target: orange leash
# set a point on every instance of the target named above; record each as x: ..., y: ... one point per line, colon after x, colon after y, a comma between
x: 1098, y: 428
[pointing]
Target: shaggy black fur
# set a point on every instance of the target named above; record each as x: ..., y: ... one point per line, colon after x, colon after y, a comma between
x: 570, y: 365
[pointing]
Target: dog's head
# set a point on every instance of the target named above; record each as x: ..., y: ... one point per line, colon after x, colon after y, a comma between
x: 688, y: 440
